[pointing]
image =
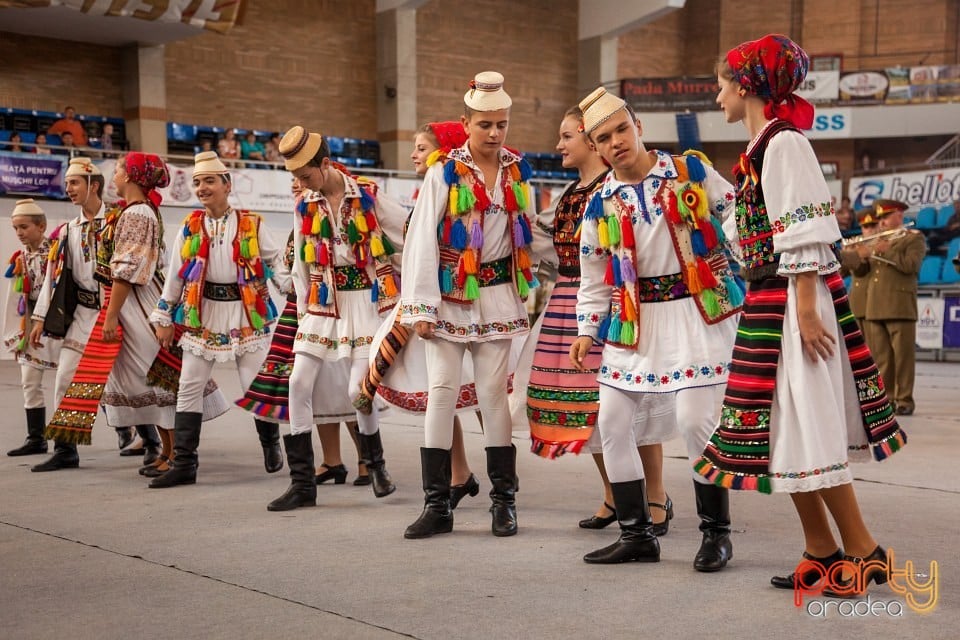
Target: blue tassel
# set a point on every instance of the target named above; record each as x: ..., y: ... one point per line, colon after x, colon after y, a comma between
x: 615, y: 267
x: 695, y: 168
x: 374, y: 292
x: 450, y: 173
x: 534, y: 283
x: 696, y: 241
x: 627, y: 272
x: 734, y: 292
x: 718, y: 229
x: 604, y: 328
x: 613, y: 334
x: 178, y: 314
x: 10, y: 270
x: 186, y: 231
x: 527, y: 234
x: 267, y: 272
x: 366, y: 200
x: 446, y: 280
x: 458, y: 235
x: 526, y: 171
x: 594, y: 209
x: 323, y: 294
x: 302, y: 206
x: 271, y: 309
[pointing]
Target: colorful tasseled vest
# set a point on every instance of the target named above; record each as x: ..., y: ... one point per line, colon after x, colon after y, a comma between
x: 19, y: 271
x: 251, y: 273
x: 697, y: 241
x: 371, y: 250
x: 756, y: 235
x: 460, y: 233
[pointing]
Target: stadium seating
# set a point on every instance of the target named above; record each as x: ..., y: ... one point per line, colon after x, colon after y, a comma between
x: 926, y: 218
x: 931, y: 270
x: 945, y: 213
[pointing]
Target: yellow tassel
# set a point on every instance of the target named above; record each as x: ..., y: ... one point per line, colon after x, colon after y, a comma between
x: 603, y: 234
x: 376, y: 246
x: 702, y: 210
x: 454, y: 197
x: 315, y: 227
x: 309, y: 253
x: 433, y: 157
x: 254, y: 247
x: 361, y: 222
x: 54, y: 247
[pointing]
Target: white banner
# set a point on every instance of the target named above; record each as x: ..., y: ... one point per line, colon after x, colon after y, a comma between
x: 930, y: 323
x: 820, y: 86
x: 916, y: 188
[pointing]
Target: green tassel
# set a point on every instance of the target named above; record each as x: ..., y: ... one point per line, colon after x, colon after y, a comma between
x: 325, y: 231
x: 195, y: 245
x: 521, y: 195
x: 763, y: 485
x: 523, y: 287
x: 193, y: 318
x: 18, y: 284
x: 465, y: 200
x: 245, y: 247
x: 352, y: 234
x: 256, y: 320
x: 471, y: 289
x: 388, y: 248
x: 613, y: 230
x: 626, y: 333
x: 710, y: 303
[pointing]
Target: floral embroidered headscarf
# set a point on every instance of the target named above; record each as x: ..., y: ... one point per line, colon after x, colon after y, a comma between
x: 772, y: 68
x: 147, y: 171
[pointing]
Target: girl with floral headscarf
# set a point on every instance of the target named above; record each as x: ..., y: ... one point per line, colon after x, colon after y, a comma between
x: 804, y: 397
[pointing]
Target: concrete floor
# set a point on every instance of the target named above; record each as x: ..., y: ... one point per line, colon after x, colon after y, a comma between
x: 92, y: 553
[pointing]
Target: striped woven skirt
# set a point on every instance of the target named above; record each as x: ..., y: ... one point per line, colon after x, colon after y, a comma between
x: 269, y: 391
x: 562, y: 403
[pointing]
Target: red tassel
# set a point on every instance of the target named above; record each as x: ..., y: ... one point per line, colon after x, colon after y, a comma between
x: 626, y: 233
x: 306, y: 225
x: 461, y: 274
x: 261, y: 307
x: 447, y: 226
x: 709, y: 233
x: 204, y: 248
x: 673, y: 213
x: 483, y: 201
x: 510, y: 200
x: 324, y: 258
x: 258, y: 268
x: 236, y: 251
x: 608, y: 276
x: 707, y: 279
x: 371, y: 220
x: 183, y: 270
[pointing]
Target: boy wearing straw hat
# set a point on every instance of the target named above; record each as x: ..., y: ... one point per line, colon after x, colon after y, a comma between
x: 466, y: 275
x: 27, y: 269
x: 658, y: 291
x: 347, y: 238
x: 216, y: 291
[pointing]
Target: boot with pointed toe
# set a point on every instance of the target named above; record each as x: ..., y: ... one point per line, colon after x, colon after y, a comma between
x: 302, y: 491
x: 637, y: 542
x: 713, y: 507
x: 437, y: 516
x: 371, y: 448
x: 186, y: 439
x: 35, y: 443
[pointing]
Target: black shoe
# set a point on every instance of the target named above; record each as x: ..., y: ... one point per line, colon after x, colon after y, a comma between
x: 460, y: 491
x: 660, y: 529
x: 371, y: 448
x: 904, y: 411
x: 637, y: 542
x: 807, y: 578
x: 437, y: 516
x: 64, y: 457
x: 362, y: 480
x: 186, y: 439
x: 35, y: 442
x: 713, y: 507
x: 502, y: 470
x: 875, y: 571
x: 125, y: 437
x: 337, y: 473
x: 302, y: 491
x: 151, y: 443
x: 135, y: 449
x: 269, y: 433
x: 600, y: 522
x: 150, y: 455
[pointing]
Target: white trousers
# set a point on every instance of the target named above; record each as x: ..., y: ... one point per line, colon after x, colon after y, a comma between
x: 303, y: 388
x: 490, y: 372
x: 66, y: 367
x: 197, y: 371
x: 32, y: 380
x: 696, y: 415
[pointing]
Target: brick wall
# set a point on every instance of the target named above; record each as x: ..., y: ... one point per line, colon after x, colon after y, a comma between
x: 532, y: 43
x: 310, y: 62
x: 684, y: 42
x: 48, y: 75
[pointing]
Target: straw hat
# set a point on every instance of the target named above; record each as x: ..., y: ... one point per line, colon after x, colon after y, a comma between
x: 208, y: 162
x: 81, y: 166
x: 598, y: 107
x: 486, y: 93
x: 27, y: 207
x: 298, y: 147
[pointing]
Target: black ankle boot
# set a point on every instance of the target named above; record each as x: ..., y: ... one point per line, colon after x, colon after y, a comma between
x: 64, y: 456
x: 637, y: 543
x: 713, y: 507
x: 186, y: 439
x: 35, y: 443
x: 151, y: 442
x: 303, y: 489
x: 437, y: 517
x: 808, y: 578
x: 269, y: 433
x: 502, y: 470
x: 371, y: 450
x: 124, y: 437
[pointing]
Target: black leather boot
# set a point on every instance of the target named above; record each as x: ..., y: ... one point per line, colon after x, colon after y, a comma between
x: 502, y: 470
x: 35, y: 443
x: 713, y: 507
x: 151, y: 442
x: 371, y: 450
x: 437, y: 517
x: 64, y: 456
x: 637, y: 542
x: 303, y: 488
x: 269, y: 433
x: 186, y: 439
x: 124, y: 437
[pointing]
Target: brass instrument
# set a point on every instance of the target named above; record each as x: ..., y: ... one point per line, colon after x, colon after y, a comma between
x: 892, y: 234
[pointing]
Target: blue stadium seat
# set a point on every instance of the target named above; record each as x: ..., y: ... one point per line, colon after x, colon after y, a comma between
x: 181, y: 132
x: 946, y: 211
x: 336, y: 145
x: 5, y: 135
x: 927, y: 218
x: 54, y: 140
x: 950, y: 274
x: 931, y: 270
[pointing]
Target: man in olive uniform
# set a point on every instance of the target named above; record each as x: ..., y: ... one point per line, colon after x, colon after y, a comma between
x: 890, y: 323
x: 855, y: 261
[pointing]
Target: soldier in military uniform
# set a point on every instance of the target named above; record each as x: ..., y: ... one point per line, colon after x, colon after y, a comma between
x: 890, y: 321
x: 855, y: 262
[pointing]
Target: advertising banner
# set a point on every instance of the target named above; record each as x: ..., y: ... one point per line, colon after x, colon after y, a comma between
x: 930, y: 323
x: 820, y: 86
x: 951, y: 322
x: 937, y: 186
x: 32, y: 174
x: 214, y: 16
x: 696, y: 93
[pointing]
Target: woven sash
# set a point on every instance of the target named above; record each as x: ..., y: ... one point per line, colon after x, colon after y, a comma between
x: 389, y: 348
x: 269, y: 392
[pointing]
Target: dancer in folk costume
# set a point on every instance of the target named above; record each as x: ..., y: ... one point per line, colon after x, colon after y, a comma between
x: 560, y: 403
x: 466, y: 275
x: 217, y: 293
x: 347, y: 237
x: 27, y: 269
x: 657, y: 289
x: 398, y: 364
x: 804, y: 396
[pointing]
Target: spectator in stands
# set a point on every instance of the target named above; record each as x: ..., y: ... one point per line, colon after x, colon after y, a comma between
x: 846, y: 220
x: 946, y: 233
x: 41, y: 146
x: 15, y: 143
x: 106, y: 137
x: 273, y: 149
x: 252, y: 149
x: 69, y: 124
x: 66, y: 140
x: 206, y: 145
x: 228, y: 148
